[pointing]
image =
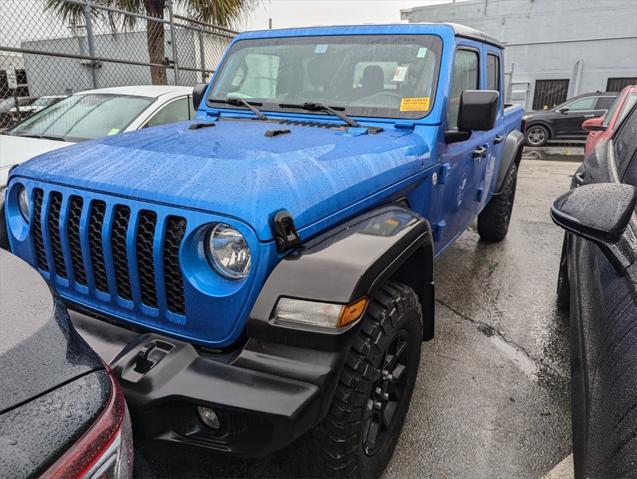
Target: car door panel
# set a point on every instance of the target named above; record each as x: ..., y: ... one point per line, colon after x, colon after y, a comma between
x: 495, y: 137
x: 604, y: 360
x: 460, y: 167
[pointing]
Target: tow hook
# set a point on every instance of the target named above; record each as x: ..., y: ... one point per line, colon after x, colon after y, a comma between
x: 147, y: 358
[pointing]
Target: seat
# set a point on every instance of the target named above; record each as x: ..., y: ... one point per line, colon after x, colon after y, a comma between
x: 372, y: 81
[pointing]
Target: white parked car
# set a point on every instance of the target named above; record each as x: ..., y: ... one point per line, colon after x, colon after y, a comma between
x: 93, y: 114
x: 38, y: 105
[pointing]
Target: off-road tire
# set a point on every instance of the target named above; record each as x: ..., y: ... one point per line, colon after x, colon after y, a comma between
x: 563, y: 284
x: 493, y: 221
x: 337, y: 444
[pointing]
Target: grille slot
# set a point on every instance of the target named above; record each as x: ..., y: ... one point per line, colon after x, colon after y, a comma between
x: 73, y: 233
x: 53, y: 221
x: 95, y: 224
x: 38, y: 241
x: 121, y: 218
x: 110, y: 231
x: 146, y: 258
x: 173, y: 279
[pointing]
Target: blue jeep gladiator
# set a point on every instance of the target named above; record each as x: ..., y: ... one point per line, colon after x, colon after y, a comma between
x: 265, y: 271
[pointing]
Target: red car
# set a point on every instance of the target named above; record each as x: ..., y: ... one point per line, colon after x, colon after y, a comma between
x: 602, y: 128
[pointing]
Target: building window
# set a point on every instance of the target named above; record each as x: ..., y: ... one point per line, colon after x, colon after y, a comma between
x: 21, y: 77
x: 549, y: 93
x: 618, y: 84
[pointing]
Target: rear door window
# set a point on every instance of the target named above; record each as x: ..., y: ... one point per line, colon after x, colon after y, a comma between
x: 173, y: 112
x: 493, y: 72
x: 604, y: 102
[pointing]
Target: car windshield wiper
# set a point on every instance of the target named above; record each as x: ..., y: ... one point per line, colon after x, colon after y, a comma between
x: 41, y: 137
x: 242, y: 102
x: 309, y: 106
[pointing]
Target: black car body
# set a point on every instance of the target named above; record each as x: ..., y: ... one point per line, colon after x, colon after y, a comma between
x: 564, y: 122
x: 598, y: 281
x: 61, y: 412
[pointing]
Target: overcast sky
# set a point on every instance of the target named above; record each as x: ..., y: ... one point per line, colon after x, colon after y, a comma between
x: 22, y: 20
x: 297, y: 13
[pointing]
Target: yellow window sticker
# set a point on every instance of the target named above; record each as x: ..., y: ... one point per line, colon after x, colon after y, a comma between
x: 113, y: 131
x: 414, y: 104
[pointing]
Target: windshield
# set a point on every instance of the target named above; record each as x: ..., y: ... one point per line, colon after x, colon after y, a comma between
x: 84, y: 117
x: 366, y: 75
x: 628, y: 105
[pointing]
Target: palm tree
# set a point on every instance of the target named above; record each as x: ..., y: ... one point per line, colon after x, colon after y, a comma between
x: 224, y: 13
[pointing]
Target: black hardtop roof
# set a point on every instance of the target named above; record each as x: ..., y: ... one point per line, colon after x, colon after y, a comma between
x: 473, y: 34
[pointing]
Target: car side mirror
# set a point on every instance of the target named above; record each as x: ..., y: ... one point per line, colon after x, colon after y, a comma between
x: 594, y: 124
x: 197, y: 94
x: 477, y: 112
x: 598, y: 212
x: 564, y: 110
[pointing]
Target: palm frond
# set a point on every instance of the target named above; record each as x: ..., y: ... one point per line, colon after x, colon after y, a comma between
x: 225, y: 13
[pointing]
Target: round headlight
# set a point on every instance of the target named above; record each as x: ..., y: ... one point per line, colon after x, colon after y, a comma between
x: 23, y: 202
x: 228, y: 252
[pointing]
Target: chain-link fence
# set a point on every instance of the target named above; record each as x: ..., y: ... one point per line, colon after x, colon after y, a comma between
x: 44, y: 56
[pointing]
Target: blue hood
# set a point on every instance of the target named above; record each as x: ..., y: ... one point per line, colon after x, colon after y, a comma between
x: 233, y: 169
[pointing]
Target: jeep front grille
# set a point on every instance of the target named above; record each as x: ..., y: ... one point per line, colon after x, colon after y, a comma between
x: 110, y: 248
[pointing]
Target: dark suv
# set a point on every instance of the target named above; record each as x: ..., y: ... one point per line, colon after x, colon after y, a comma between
x: 565, y: 121
x: 598, y: 283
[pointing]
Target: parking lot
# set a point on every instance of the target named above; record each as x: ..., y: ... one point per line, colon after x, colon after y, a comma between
x: 492, y: 396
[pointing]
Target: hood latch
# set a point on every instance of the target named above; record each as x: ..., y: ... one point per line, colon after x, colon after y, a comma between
x: 285, y: 233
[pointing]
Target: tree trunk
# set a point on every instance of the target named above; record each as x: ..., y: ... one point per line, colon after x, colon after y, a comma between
x: 155, y: 40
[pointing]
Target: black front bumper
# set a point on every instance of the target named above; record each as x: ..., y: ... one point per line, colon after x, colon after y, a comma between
x: 265, y: 394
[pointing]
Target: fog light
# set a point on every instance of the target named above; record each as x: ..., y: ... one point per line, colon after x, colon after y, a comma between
x: 208, y: 417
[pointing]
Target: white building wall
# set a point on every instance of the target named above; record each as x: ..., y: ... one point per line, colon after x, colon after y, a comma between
x: 548, y: 39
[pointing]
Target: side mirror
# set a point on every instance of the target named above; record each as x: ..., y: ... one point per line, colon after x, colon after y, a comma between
x: 478, y: 109
x: 594, y: 124
x: 598, y: 212
x: 198, y: 93
x: 564, y: 110
x: 477, y: 112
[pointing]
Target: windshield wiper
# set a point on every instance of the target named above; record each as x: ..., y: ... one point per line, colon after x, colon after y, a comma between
x: 309, y: 106
x: 40, y: 137
x: 242, y: 102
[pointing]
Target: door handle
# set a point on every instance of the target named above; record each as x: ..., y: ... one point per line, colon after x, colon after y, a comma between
x: 589, y: 116
x: 479, y: 152
x: 498, y: 139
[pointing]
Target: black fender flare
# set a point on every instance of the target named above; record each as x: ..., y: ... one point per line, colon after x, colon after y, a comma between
x: 344, y: 264
x: 513, y: 146
x: 4, y: 233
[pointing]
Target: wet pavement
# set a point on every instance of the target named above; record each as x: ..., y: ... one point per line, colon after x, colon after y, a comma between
x: 491, y: 399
